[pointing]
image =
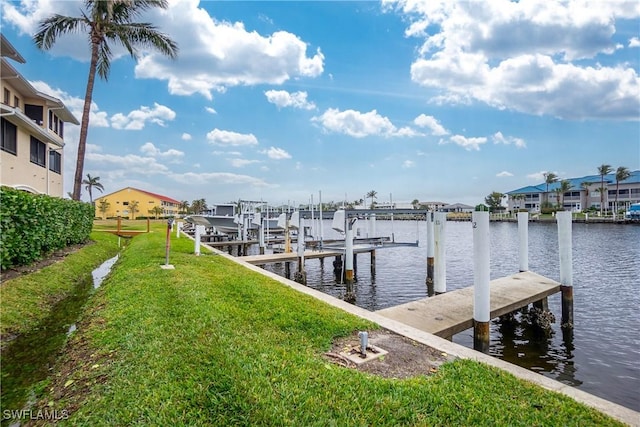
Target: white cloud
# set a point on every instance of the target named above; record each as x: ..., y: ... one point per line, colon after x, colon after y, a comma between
x: 229, y: 138
x: 186, y: 137
x: 537, y: 176
x: 408, y: 164
x: 137, y: 119
x: 277, y: 153
x: 467, y: 143
x: 239, y: 163
x: 360, y: 125
x: 221, y: 177
x: 97, y: 118
x: 150, y: 150
x: 282, y: 98
x: 634, y: 42
x: 484, y: 51
x: 431, y: 123
x: 210, y: 110
x: 499, y: 138
x: 504, y: 174
x: 213, y: 54
x: 128, y: 164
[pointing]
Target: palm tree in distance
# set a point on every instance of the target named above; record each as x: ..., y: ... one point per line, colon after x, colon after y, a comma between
x: 622, y: 173
x: 183, y: 207
x: 565, y: 185
x: 106, y: 23
x: 90, y: 183
x: 549, y: 178
x: 372, y: 195
x: 603, y: 170
x: 585, y: 186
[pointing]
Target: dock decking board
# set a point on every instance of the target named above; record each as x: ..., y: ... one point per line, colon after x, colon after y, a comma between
x: 286, y: 256
x: 452, y: 312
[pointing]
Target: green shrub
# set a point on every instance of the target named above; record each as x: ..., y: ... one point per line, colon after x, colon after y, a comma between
x: 33, y: 225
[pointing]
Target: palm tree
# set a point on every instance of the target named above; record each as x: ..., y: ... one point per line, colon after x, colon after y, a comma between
x: 415, y: 203
x: 585, y: 186
x: 198, y: 206
x: 565, y: 185
x: 133, y: 208
x: 184, y: 207
x: 549, y: 178
x: 372, y: 195
x: 90, y: 183
x: 603, y: 170
x: 622, y: 173
x: 105, y: 22
x: 104, y: 206
x: 156, y: 210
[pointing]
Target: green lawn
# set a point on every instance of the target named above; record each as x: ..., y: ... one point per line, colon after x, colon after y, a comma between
x: 211, y: 343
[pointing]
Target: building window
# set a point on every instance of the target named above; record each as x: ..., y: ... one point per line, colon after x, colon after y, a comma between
x: 38, y: 152
x: 34, y: 112
x: 9, y: 137
x: 16, y: 102
x: 55, y: 161
x: 125, y: 204
x: 7, y: 96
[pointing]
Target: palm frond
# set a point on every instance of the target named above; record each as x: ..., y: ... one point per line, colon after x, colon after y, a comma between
x: 51, y: 28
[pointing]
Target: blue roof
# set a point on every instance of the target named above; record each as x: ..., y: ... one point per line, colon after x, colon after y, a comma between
x: 576, y: 183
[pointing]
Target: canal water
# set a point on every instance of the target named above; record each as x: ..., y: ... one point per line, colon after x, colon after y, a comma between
x: 603, y: 355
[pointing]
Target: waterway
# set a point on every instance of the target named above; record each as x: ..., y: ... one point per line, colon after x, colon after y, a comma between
x: 603, y: 355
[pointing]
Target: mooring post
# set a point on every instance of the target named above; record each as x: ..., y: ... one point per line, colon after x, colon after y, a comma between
x: 179, y: 228
x: 440, y: 265
x: 566, y: 267
x: 199, y: 232
x: 373, y: 262
x: 348, y: 261
x: 523, y: 238
x: 481, y: 290
x: 430, y: 244
x: 301, y: 277
x: 372, y: 224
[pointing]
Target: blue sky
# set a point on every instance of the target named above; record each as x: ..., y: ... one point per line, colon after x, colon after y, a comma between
x: 436, y: 101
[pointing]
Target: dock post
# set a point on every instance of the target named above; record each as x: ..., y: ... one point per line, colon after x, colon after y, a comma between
x: 372, y: 225
x: 523, y: 238
x: 301, y: 275
x: 430, y: 243
x: 179, y: 228
x: 481, y: 290
x: 439, y: 268
x: 566, y: 269
x: 199, y: 232
x: 348, y: 261
x: 373, y: 262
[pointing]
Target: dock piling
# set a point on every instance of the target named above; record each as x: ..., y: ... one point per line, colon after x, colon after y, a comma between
x: 566, y: 268
x: 523, y: 235
x: 481, y: 290
x: 199, y: 233
x: 179, y: 228
x: 440, y: 269
x: 430, y: 243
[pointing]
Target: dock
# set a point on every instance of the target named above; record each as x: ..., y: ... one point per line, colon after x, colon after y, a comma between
x: 447, y: 314
x: 287, y: 256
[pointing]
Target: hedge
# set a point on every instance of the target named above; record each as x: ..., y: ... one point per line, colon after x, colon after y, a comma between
x: 34, y: 225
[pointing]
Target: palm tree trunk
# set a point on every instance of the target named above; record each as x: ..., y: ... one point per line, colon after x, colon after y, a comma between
x: 615, y: 212
x: 84, y: 126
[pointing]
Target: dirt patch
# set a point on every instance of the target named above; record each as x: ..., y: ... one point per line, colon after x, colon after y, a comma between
x: 52, y: 258
x: 406, y: 358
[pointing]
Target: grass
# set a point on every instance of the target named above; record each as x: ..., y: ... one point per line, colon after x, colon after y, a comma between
x: 35, y: 312
x: 27, y: 300
x: 211, y: 343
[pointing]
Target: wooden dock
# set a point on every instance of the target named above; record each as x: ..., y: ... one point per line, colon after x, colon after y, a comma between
x: 287, y: 256
x: 452, y: 312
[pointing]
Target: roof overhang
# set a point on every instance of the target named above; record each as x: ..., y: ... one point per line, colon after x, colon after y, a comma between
x: 19, y: 119
x: 9, y: 51
x: 25, y: 88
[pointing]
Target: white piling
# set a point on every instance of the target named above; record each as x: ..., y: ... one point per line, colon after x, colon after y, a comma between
x: 481, y: 290
x: 348, y: 260
x: 321, y: 219
x: 566, y: 267
x: 440, y: 265
x: 179, y: 228
x: 523, y: 238
x: 372, y: 225
x: 199, y: 232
